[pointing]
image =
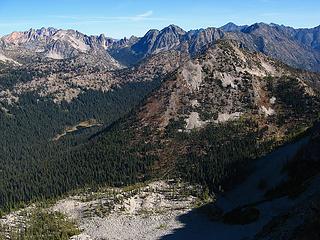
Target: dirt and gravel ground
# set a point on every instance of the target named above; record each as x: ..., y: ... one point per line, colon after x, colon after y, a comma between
x: 147, y: 212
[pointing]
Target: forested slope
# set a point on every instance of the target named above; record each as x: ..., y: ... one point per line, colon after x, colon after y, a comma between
x: 206, y: 122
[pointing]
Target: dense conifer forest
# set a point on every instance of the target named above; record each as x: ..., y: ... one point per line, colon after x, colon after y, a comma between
x: 33, y: 165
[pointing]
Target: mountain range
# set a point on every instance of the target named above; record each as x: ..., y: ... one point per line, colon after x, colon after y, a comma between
x: 297, y: 47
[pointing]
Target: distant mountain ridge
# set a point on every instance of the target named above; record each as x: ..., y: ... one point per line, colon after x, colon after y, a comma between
x: 296, y: 47
x: 51, y: 43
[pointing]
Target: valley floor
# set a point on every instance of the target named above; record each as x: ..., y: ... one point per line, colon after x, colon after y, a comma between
x: 171, y: 209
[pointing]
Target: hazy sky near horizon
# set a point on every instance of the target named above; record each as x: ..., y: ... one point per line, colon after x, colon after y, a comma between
x: 119, y: 18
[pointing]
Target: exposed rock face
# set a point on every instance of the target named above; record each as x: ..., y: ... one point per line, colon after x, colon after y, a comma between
x: 282, y: 43
x: 167, y: 38
x: 192, y: 74
x: 307, y: 37
x: 193, y: 121
x: 18, y: 38
x: 173, y: 38
x: 156, y: 41
x: 5, y: 59
x: 202, y: 38
x: 145, y: 44
x: 50, y: 43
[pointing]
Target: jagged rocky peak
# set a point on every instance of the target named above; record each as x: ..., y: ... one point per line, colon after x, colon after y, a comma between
x: 101, y: 37
x: 57, y: 44
x: 48, y: 32
x: 232, y: 27
x: 67, y: 43
x: 30, y: 35
x: 296, y: 47
x: 174, y: 37
x: 145, y: 44
x: 61, y: 34
x: 260, y: 27
x: 174, y: 29
x: 202, y: 38
x: 155, y: 41
x: 168, y: 38
x: 229, y: 26
x: 122, y: 43
x: 131, y: 40
x: 151, y: 33
x: 101, y: 40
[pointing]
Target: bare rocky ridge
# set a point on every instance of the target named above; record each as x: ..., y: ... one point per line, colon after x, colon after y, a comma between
x: 224, y: 83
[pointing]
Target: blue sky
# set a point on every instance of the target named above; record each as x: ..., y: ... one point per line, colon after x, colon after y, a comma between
x: 119, y: 18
